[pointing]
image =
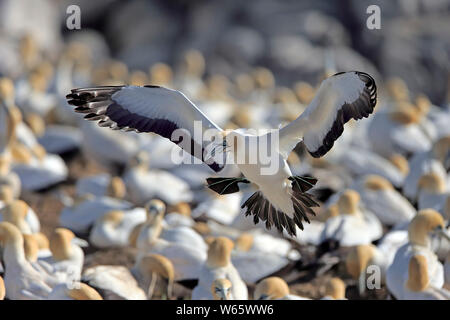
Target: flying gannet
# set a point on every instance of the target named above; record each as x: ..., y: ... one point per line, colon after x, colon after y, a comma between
x: 281, y: 199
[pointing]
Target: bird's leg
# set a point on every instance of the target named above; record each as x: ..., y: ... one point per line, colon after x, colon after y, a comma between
x: 151, y: 287
x: 169, y: 288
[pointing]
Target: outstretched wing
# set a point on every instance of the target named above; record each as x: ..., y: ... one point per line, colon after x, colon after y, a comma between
x: 341, y: 97
x: 154, y: 109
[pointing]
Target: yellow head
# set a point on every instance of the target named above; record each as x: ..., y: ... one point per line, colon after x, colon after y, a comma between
x: 271, y: 288
x: 244, y: 242
x: 400, y: 163
x: 83, y: 292
x: 221, y: 289
x: 116, y: 188
x: 182, y: 208
x: 156, y: 263
x: 335, y: 288
x: 219, y: 252
x: 432, y: 183
x: 61, y: 243
x: 348, y: 202
x: 161, y: 74
x: 358, y: 259
x: 377, y: 183
x: 424, y: 223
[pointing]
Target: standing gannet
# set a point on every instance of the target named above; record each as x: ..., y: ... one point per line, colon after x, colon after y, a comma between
x: 436, y: 160
x: 334, y: 290
x: 78, y: 291
x: 274, y: 288
x: 218, y: 266
x: 144, y: 184
x: 426, y: 225
x: 281, y: 199
x: 432, y: 193
x: 22, y: 281
x: 186, y: 258
x: 352, y: 226
x: 380, y: 197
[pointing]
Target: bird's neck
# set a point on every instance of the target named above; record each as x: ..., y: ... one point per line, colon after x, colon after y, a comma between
x: 13, y: 252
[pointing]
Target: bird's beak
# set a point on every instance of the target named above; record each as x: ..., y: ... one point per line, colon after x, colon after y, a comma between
x: 442, y: 233
x: 80, y: 242
x: 223, y: 294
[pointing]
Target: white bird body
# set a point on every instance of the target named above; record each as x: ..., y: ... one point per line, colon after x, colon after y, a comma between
x: 40, y: 174
x: 186, y: 259
x: 421, y: 163
x: 379, y: 197
x: 108, y: 233
x: 363, y: 162
x: 96, y: 185
x: 220, y: 209
x: 184, y: 235
x: 254, y: 265
x: 352, y: 230
x: 311, y: 234
x: 59, y: 139
x: 106, y: 146
x: 143, y: 185
x: 115, y: 282
x: 65, y: 271
x: 81, y: 216
x: 388, y: 137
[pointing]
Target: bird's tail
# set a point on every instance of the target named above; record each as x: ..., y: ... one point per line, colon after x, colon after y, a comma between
x: 261, y: 208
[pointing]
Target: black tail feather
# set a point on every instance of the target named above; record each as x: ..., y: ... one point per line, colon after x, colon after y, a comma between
x: 263, y: 210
